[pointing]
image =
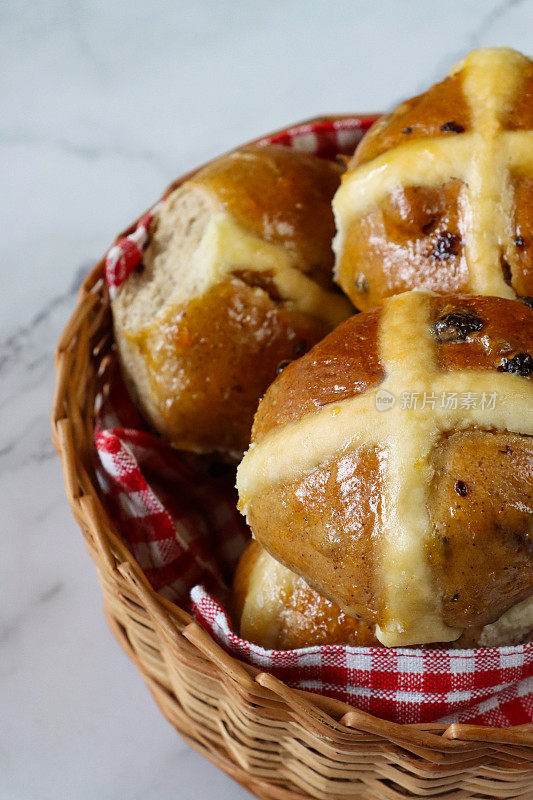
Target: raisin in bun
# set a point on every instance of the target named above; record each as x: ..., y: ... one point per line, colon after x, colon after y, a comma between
x: 439, y: 193
x: 236, y: 278
x: 392, y: 466
x: 276, y: 609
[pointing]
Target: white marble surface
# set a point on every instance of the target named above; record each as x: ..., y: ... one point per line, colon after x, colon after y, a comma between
x: 101, y: 105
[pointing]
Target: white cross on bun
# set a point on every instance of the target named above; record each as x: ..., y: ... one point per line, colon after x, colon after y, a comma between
x: 236, y: 278
x: 276, y: 609
x: 392, y: 466
x: 438, y: 194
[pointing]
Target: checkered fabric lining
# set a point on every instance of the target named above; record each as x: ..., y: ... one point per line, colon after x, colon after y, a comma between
x: 180, y: 523
x: 491, y: 686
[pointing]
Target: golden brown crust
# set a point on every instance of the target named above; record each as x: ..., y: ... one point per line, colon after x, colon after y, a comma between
x: 236, y: 278
x: 482, y: 516
x: 212, y: 358
x: 393, y: 246
x: 521, y: 267
x: 241, y: 581
x: 282, y: 196
x: 301, y: 617
x: 417, y: 118
x: 305, y: 619
x: 506, y: 329
x: 326, y: 523
x: 348, y: 365
x: 520, y: 115
x: 347, y: 362
x: 428, y: 235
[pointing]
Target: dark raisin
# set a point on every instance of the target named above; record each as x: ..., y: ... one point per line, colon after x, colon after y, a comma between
x: 461, y: 488
x: 457, y: 325
x: 446, y: 245
x: 520, y: 364
x: 428, y: 226
x: 455, y: 598
x: 407, y: 130
x: 300, y: 347
x: 523, y: 541
x: 527, y: 301
x: 506, y: 269
x: 519, y: 241
x: 282, y: 364
x: 452, y: 127
x: 139, y: 267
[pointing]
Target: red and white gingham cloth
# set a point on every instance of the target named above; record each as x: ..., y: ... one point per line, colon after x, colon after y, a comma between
x: 123, y: 257
x: 180, y: 524
x: 178, y: 518
x: 491, y: 686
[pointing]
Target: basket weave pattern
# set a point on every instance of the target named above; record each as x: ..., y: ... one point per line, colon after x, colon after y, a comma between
x: 276, y: 741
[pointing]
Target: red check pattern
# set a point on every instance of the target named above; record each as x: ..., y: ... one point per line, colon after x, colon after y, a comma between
x: 178, y: 518
x: 123, y: 257
x: 491, y: 686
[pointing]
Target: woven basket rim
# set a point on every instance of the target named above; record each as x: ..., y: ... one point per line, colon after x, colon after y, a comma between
x: 72, y: 438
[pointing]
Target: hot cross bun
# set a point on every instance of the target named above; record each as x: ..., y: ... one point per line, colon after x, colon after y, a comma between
x: 236, y: 278
x: 439, y: 193
x: 276, y: 609
x: 392, y: 466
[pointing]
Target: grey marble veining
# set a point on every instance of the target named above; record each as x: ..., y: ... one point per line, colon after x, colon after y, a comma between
x: 103, y: 104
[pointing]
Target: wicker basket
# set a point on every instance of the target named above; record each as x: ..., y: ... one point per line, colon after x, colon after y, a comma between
x: 276, y: 741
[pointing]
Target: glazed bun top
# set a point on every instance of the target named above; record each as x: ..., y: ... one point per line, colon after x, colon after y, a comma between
x: 438, y: 194
x: 281, y: 196
x: 392, y: 466
x: 275, y: 608
x: 261, y: 214
x: 236, y: 278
